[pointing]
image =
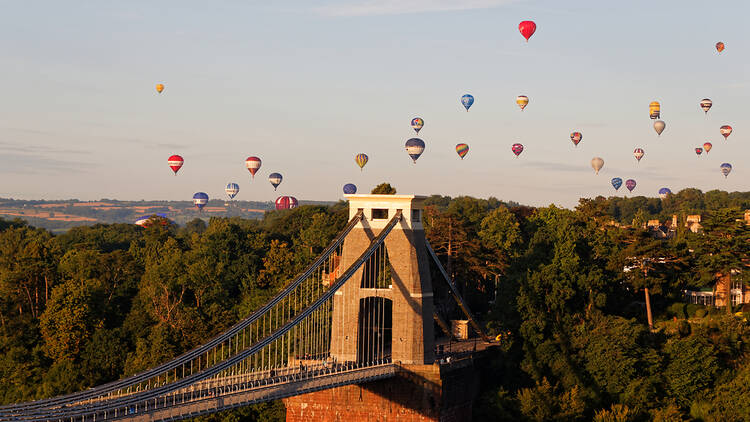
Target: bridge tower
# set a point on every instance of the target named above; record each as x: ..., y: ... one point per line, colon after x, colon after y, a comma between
x: 385, y: 310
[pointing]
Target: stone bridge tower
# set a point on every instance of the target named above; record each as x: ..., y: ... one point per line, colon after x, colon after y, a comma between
x: 393, y: 288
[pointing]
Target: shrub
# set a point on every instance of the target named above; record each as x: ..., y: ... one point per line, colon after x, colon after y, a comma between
x: 700, y: 313
x: 677, y: 310
x: 691, y: 309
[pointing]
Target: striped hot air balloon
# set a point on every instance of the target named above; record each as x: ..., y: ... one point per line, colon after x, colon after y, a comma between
x: 253, y: 165
x: 286, y: 202
x: 415, y: 148
x: 175, y: 162
x: 725, y: 131
x: 522, y: 101
x: 361, y: 160
x: 275, y: 179
x: 725, y: 168
x: 232, y: 190
x: 200, y: 199
x: 517, y: 149
x: 706, y: 104
x: 707, y: 147
x: 698, y: 151
x: 462, y: 150
x: 654, y: 110
x: 417, y: 124
x: 638, y: 154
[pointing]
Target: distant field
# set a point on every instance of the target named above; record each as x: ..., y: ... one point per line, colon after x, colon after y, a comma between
x: 59, y: 216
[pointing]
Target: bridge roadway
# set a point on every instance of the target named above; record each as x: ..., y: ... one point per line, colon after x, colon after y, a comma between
x: 217, y: 394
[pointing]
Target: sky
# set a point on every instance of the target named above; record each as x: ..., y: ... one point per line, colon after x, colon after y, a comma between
x: 306, y: 85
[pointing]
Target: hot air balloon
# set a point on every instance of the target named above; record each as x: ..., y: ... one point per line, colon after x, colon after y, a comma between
x: 664, y: 192
x: 286, y: 202
x: 726, y: 168
x: 576, y: 137
x: 616, y: 183
x: 630, y: 184
x: 654, y: 110
x: 417, y: 123
x: 253, y: 165
x: 522, y: 101
x: 462, y: 150
x: 350, y: 189
x: 719, y: 46
x: 597, y: 163
x: 200, y: 200
x: 232, y: 190
x: 638, y: 154
x: 175, y: 162
x: 415, y: 148
x: 659, y: 127
x: 698, y: 151
x: 361, y: 160
x: 527, y: 29
x: 467, y: 100
x: 517, y: 149
x: 275, y: 179
x: 159, y: 88
x: 707, y: 146
x: 706, y: 104
x: 725, y: 130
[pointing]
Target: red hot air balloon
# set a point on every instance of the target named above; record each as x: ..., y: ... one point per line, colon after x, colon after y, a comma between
x: 698, y: 151
x: 253, y: 165
x: 707, y: 147
x: 719, y: 46
x: 175, y: 163
x: 576, y: 137
x: 725, y: 130
x: 527, y: 29
x: 517, y: 149
x: 286, y: 202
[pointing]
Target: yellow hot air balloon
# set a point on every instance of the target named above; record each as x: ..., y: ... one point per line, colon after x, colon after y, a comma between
x: 654, y: 110
x: 522, y: 101
x: 159, y: 88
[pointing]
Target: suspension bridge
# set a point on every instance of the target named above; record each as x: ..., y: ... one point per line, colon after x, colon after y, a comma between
x: 362, y: 311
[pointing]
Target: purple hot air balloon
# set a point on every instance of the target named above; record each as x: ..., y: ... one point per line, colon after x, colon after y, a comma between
x: 630, y: 184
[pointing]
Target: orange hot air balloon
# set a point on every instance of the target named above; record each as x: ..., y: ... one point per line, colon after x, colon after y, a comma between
x: 159, y: 88
x: 719, y: 46
x: 707, y: 147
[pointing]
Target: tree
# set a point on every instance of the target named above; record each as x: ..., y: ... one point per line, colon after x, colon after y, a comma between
x: 384, y: 188
x: 67, y: 322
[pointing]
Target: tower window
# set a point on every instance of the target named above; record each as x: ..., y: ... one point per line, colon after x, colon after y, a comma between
x: 380, y: 213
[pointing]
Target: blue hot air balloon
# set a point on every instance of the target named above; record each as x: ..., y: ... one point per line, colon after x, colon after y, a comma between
x: 467, y: 100
x: 350, y: 189
x: 415, y: 148
x: 275, y: 179
x: 726, y: 168
x: 664, y: 192
x: 232, y: 190
x: 200, y: 200
x: 616, y: 183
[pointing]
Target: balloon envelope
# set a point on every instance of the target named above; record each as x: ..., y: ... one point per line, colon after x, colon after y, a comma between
x: 726, y: 168
x: 698, y: 151
x: 517, y: 149
x: 597, y: 163
x: 350, y: 189
x: 200, y: 199
x: 719, y: 46
x: 275, y: 179
x: 232, y: 190
x: 659, y: 126
x: 527, y: 29
x: 253, y: 165
x: 417, y: 123
x: 522, y: 101
x: 361, y: 160
x: 638, y: 154
x: 576, y: 137
x: 725, y: 131
x: 616, y: 183
x: 707, y: 146
x: 467, y: 100
x: 706, y: 104
x: 462, y: 150
x: 630, y: 184
x: 415, y: 148
x: 663, y: 192
x: 159, y: 88
x: 654, y: 110
x: 175, y: 162
x: 286, y: 202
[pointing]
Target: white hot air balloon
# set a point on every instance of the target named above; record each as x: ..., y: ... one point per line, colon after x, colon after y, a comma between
x: 597, y: 163
x: 659, y: 126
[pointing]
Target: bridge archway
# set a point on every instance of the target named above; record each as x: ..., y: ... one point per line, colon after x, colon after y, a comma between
x: 375, y: 329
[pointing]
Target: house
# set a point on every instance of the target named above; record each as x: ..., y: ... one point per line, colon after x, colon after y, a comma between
x: 693, y: 223
x: 716, y: 295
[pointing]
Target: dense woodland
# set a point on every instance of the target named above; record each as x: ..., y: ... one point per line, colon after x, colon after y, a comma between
x: 105, y: 301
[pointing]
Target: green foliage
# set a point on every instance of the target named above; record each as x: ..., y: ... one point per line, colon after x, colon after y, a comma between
x: 384, y: 188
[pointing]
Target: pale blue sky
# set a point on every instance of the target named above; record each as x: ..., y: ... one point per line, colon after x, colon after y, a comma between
x: 306, y: 85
